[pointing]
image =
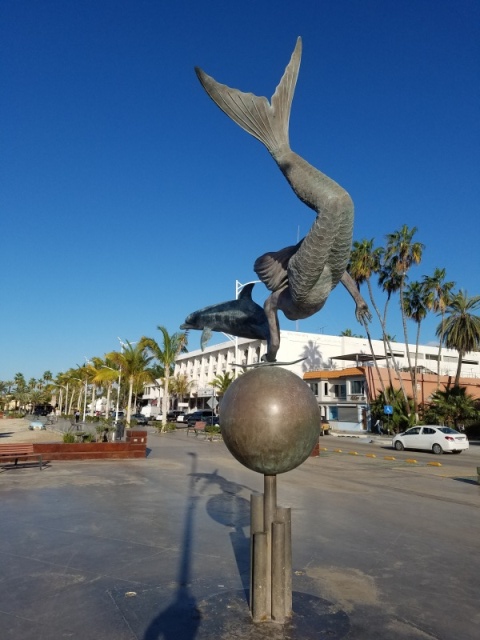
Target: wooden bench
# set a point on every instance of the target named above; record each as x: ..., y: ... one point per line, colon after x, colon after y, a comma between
x: 198, y: 427
x: 19, y: 451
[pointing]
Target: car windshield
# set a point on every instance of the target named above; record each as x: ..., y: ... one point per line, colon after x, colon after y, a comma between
x: 446, y: 430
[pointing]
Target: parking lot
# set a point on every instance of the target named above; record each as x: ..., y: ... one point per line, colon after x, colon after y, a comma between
x: 159, y: 548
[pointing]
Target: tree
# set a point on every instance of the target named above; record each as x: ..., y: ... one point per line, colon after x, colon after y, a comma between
x: 222, y: 381
x: 134, y: 363
x: 441, y: 292
x: 180, y: 386
x: 106, y: 373
x: 166, y: 354
x: 400, y: 254
x: 460, y: 328
x: 364, y: 261
x: 416, y: 302
x: 401, y: 417
x: 348, y: 333
x: 452, y: 406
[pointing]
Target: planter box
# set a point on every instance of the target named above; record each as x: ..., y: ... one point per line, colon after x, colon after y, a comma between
x: 90, y: 450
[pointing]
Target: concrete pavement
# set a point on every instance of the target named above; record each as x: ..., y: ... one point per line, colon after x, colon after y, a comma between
x: 159, y: 548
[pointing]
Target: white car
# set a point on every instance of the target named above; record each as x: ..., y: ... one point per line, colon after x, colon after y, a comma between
x: 37, y: 424
x: 431, y: 438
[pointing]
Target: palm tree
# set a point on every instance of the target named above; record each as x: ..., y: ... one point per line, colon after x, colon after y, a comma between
x: 453, y: 406
x: 348, y: 333
x: 441, y: 292
x: 105, y: 375
x: 134, y: 362
x: 180, y: 386
x: 166, y: 354
x: 364, y: 261
x: 460, y: 328
x: 416, y: 302
x: 401, y: 253
x: 222, y: 381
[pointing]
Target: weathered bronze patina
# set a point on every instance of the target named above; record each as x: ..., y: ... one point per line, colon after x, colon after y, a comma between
x: 270, y: 420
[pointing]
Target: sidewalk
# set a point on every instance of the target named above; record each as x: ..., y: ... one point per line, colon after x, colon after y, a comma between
x: 159, y: 549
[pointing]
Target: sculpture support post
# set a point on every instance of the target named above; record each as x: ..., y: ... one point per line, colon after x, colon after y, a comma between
x: 269, y: 509
x: 283, y: 405
x: 270, y: 555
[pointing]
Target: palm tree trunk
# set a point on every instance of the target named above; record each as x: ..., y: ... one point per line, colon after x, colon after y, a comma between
x: 405, y: 333
x: 107, y: 406
x: 440, y: 350
x: 395, y: 363
x: 165, y: 400
x: 415, y: 392
x: 129, y: 406
x: 459, y: 368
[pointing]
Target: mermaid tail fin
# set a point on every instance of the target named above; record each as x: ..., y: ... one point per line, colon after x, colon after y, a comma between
x: 268, y: 122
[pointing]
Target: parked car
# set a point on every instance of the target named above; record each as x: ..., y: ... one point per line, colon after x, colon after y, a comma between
x: 43, y: 410
x: 172, y: 416
x: 198, y: 416
x: 431, y: 438
x: 36, y: 424
x: 140, y: 418
x: 211, y: 420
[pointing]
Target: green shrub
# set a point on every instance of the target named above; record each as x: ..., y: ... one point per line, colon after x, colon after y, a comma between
x: 68, y: 437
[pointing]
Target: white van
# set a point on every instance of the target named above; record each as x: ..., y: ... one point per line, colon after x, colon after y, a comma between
x: 150, y: 411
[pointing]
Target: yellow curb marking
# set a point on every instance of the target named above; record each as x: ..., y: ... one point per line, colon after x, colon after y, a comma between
x: 411, y: 461
x: 323, y: 449
x: 352, y: 453
x: 371, y: 455
x: 338, y: 451
x: 389, y: 458
x: 434, y: 464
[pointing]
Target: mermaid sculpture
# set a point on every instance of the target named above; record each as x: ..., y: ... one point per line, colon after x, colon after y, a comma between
x: 302, y: 276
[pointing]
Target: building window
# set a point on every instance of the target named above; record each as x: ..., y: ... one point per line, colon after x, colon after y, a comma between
x: 340, y: 391
x: 314, y: 387
x: 358, y: 387
x: 325, y: 388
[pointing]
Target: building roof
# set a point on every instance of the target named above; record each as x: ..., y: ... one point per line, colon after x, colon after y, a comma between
x: 329, y: 375
x: 363, y: 357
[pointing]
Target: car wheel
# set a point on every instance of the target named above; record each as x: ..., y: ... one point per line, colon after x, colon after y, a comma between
x: 399, y: 446
x: 437, y: 449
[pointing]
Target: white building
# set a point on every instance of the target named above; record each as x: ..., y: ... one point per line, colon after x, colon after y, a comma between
x: 308, y: 352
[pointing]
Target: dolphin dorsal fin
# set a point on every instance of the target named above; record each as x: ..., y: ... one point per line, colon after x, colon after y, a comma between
x: 246, y: 292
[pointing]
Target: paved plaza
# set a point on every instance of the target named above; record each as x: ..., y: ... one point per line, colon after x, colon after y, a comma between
x: 159, y: 548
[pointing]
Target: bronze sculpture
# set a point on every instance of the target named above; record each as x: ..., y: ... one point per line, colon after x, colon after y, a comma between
x: 299, y: 277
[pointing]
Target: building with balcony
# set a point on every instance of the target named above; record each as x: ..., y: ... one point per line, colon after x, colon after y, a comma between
x: 339, y: 369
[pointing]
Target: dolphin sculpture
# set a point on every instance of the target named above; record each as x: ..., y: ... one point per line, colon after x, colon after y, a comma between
x: 299, y: 277
x: 242, y: 317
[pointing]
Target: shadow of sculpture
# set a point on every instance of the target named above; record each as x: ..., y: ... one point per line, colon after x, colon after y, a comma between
x: 181, y: 619
x: 233, y: 511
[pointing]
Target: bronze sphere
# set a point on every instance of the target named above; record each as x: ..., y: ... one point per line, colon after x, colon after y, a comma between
x: 270, y: 420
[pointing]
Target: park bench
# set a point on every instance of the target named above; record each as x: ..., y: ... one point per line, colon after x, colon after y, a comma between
x: 17, y: 452
x: 198, y: 427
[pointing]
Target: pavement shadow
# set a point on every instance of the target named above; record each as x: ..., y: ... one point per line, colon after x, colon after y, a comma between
x: 181, y: 619
x: 233, y: 511
x: 471, y: 480
x: 6, y: 434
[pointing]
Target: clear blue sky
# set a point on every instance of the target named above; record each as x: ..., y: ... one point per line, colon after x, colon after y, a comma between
x: 129, y: 200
